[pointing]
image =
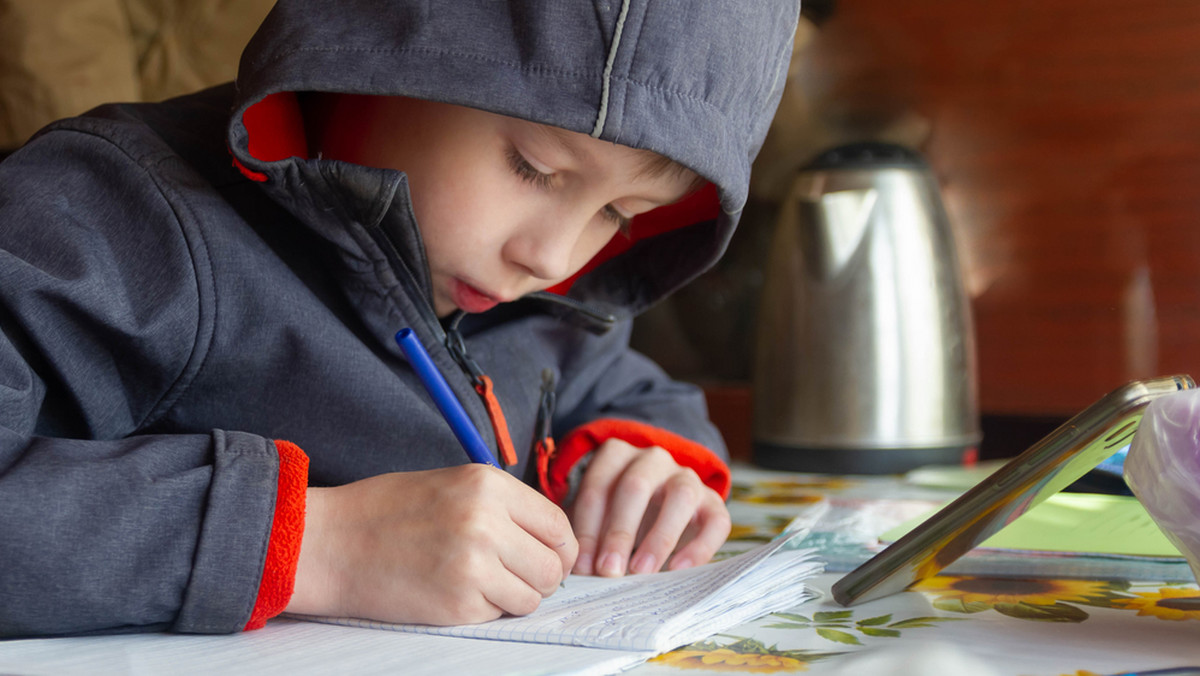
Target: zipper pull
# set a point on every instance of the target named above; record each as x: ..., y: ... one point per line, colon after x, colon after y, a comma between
x: 543, y: 435
x: 483, y: 385
x: 508, y: 454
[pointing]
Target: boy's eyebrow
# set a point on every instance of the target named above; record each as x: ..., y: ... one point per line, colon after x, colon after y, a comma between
x: 657, y: 166
x: 653, y: 166
x: 561, y: 138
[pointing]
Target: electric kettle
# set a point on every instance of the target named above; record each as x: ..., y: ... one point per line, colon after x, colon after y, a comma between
x: 865, y: 353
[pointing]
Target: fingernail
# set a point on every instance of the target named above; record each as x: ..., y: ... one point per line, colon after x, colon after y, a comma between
x: 680, y: 563
x: 583, y: 564
x: 644, y: 563
x: 612, y: 565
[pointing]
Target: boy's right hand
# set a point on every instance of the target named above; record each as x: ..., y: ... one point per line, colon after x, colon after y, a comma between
x: 456, y: 545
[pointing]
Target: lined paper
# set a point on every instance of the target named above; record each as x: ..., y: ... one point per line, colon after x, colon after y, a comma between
x: 654, y: 612
x: 288, y: 647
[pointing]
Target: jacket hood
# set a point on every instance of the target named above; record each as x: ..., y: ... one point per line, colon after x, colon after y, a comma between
x: 697, y: 81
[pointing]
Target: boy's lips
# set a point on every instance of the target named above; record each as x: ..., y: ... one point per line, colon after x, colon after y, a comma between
x: 470, y: 299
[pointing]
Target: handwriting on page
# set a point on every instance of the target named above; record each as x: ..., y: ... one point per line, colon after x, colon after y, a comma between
x: 649, y: 612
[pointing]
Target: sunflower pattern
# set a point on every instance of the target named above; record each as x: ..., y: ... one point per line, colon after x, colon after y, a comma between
x: 800, y: 491
x: 741, y: 655
x: 810, y: 638
x: 754, y: 533
x: 1050, y: 600
x: 1157, y: 603
x: 1038, y: 599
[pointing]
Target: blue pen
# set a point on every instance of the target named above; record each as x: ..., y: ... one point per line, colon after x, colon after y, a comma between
x: 447, y: 403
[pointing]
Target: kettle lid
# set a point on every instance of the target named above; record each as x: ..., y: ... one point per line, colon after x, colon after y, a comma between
x: 868, y: 155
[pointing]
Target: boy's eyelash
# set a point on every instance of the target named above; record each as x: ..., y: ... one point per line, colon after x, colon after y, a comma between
x: 615, y: 216
x: 527, y: 172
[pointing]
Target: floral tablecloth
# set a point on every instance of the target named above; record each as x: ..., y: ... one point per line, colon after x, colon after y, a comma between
x: 1047, y: 615
x: 1034, y: 625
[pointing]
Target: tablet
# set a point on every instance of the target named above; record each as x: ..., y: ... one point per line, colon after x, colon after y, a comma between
x: 1045, y: 468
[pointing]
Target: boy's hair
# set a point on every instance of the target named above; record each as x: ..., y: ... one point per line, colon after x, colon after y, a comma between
x: 653, y: 166
x: 656, y: 166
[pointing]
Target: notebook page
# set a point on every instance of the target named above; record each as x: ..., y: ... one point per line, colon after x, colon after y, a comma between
x: 287, y: 647
x: 648, y: 612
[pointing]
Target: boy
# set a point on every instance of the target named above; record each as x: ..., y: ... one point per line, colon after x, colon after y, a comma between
x: 204, y: 417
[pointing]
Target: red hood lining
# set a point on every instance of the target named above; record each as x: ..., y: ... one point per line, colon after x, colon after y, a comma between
x: 275, y: 132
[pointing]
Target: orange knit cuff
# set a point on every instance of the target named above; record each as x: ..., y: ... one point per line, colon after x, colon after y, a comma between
x: 283, y: 551
x: 554, y: 464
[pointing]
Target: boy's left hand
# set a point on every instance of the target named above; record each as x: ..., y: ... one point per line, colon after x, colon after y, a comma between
x: 635, y: 506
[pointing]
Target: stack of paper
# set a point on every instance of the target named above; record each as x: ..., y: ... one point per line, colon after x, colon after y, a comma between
x: 650, y: 613
x: 593, y: 626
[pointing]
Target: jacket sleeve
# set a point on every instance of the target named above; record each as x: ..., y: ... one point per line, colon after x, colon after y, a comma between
x: 105, y: 525
x: 611, y: 391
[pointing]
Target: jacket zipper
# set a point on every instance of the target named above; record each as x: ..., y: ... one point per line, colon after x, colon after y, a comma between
x: 483, y: 386
x: 408, y: 281
x: 453, y: 340
x: 543, y: 433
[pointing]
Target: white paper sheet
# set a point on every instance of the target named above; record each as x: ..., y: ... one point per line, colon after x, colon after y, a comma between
x: 655, y: 612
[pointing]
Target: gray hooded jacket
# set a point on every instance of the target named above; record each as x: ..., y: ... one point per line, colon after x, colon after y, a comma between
x: 166, y: 316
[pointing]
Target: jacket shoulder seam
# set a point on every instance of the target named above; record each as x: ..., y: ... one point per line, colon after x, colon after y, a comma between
x: 195, y: 244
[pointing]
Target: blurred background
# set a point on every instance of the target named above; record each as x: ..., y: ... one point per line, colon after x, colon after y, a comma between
x: 61, y: 57
x: 1063, y: 134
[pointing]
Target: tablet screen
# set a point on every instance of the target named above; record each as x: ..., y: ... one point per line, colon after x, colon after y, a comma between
x: 1050, y: 465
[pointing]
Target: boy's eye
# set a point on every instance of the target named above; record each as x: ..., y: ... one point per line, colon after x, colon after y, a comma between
x: 530, y: 174
x: 526, y: 171
x: 623, y: 222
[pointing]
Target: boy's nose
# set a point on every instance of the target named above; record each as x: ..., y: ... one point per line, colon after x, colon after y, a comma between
x: 545, y: 251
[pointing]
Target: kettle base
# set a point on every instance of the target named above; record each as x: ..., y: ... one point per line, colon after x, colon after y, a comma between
x: 857, y: 460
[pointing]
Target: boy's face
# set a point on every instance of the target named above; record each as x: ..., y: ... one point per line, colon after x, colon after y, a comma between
x: 505, y: 207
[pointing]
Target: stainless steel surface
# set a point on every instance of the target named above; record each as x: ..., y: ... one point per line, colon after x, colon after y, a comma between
x: 865, y: 338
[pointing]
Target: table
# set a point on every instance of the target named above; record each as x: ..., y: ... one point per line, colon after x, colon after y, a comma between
x: 1108, y: 621
x: 954, y: 623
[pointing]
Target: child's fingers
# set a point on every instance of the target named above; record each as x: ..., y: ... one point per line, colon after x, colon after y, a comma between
x: 714, y: 524
x: 680, y: 497
x: 518, y: 547
x: 511, y: 595
x: 642, y: 480
x: 547, y: 525
x: 640, y: 496
x: 592, y: 499
x: 534, y: 567
x: 526, y: 573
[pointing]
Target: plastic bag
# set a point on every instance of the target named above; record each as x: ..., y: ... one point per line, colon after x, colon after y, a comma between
x: 1163, y: 469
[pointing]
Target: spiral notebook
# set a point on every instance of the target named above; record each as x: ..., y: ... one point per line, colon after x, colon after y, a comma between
x: 651, y: 613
